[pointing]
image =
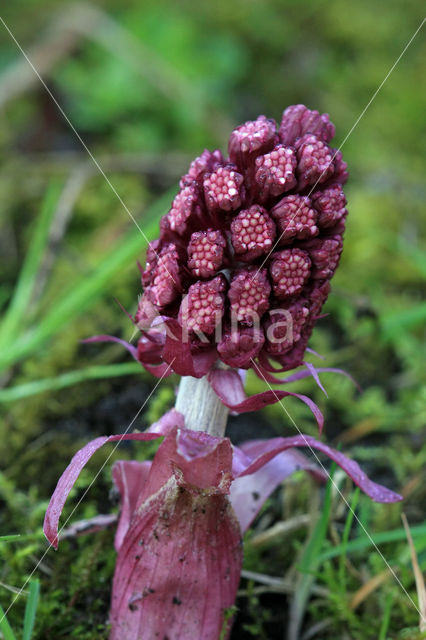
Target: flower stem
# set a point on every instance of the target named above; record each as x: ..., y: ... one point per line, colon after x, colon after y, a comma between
x: 201, y: 407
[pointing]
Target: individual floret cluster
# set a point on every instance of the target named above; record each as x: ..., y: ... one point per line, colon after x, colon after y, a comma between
x: 245, y: 254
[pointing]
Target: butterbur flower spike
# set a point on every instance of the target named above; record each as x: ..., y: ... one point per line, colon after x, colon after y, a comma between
x: 275, y: 206
x: 182, y: 518
x: 245, y: 255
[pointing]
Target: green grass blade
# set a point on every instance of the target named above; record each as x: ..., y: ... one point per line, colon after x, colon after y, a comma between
x: 14, y: 317
x: 309, y: 563
x: 5, y: 627
x: 345, y: 538
x: 85, y: 291
x: 365, y: 542
x: 386, y: 618
x: 97, y: 372
x: 10, y: 538
x: 4, y: 295
x: 31, y: 609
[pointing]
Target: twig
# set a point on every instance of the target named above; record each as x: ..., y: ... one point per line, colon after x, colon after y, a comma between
x: 41, y: 565
x: 317, y: 628
x: 12, y: 589
x: 91, y: 525
x: 279, y: 530
x: 367, y: 588
x: 62, y: 216
x: 420, y: 581
x: 278, y: 585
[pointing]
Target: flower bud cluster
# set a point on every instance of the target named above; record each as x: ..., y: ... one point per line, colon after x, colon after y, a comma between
x: 246, y: 252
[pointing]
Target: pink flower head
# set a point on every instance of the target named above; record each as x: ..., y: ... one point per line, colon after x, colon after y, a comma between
x: 205, y: 253
x: 298, y: 121
x: 275, y: 172
x: 182, y: 518
x: 250, y: 140
x: 315, y: 161
x: 249, y: 294
x: 290, y: 270
x: 275, y: 204
x: 296, y: 218
x: 223, y: 189
x: 239, y: 346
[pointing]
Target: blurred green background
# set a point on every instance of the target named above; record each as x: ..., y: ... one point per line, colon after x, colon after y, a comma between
x: 148, y: 85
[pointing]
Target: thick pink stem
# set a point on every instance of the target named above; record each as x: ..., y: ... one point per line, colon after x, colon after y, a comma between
x: 202, y: 408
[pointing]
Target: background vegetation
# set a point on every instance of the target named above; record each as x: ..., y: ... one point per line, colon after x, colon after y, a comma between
x: 148, y: 84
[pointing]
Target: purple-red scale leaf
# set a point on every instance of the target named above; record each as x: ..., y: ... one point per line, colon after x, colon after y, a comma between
x: 248, y: 493
x: 276, y: 445
x: 178, y: 568
x: 228, y: 386
x: 70, y: 475
x: 129, y: 476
